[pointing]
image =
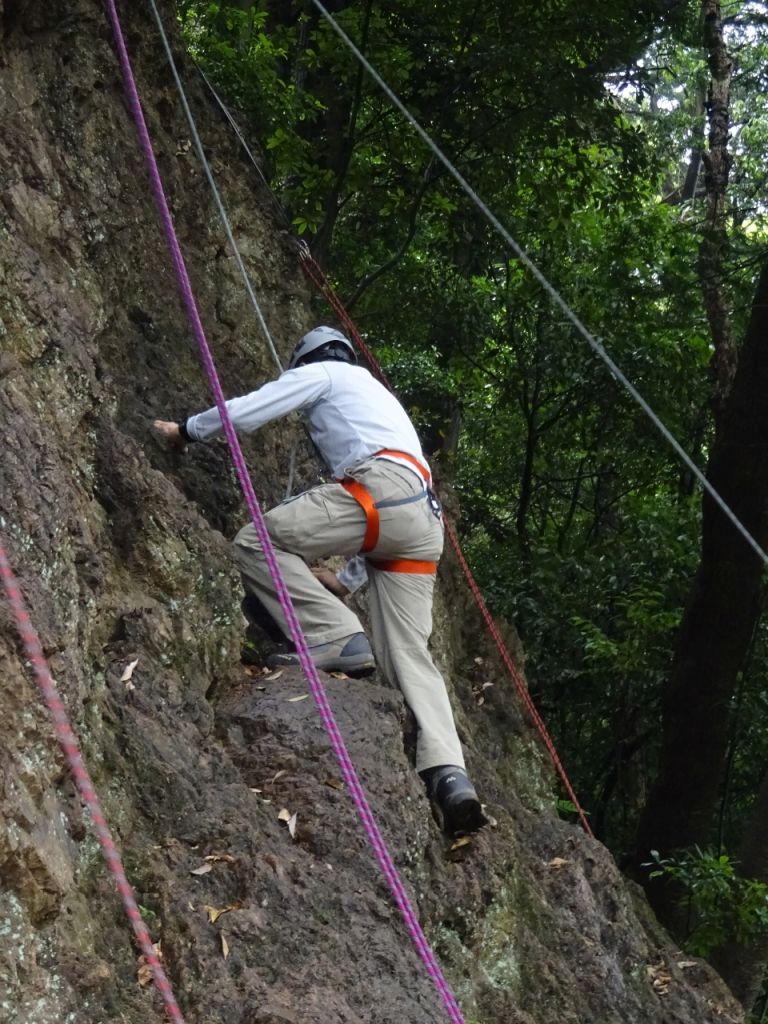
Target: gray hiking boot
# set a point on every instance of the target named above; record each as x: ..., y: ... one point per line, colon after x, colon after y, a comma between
x: 454, y: 795
x: 349, y: 654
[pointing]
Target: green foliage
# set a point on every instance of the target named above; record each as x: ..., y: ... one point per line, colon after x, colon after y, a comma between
x: 150, y: 918
x: 721, y: 905
x: 568, y: 808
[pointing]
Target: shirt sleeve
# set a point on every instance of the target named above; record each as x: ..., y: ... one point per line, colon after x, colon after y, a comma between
x: 354, y: 575
x: 294, y: 389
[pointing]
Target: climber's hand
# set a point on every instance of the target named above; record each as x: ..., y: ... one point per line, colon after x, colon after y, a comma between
x: 330, y: 581
x: 170, y: 432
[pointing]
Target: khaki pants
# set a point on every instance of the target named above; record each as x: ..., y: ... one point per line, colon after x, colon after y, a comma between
x: 328, y: 521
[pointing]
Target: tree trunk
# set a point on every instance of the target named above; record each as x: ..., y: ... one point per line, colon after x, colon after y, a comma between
x: 339, y: 143
x: 333, y: 136
x: 717, y: 162
x: 717, y: 625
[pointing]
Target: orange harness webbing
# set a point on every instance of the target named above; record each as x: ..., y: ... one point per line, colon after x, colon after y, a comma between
x: 408, y: 458
x: 364, y: 498
x: 404, y: 565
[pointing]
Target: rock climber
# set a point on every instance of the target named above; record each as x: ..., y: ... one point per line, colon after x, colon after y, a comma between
x: 382, y: 509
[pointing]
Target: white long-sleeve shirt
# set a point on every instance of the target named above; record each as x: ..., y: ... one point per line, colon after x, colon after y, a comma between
x: 350, y: 415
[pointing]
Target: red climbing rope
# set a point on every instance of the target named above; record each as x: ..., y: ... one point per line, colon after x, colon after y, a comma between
x: 315, y: 273
x: 69, y: 745
x: 517, y: 678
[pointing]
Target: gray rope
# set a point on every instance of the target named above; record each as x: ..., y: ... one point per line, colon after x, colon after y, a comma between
x: 280, y: 210
x: 209, y: 175
x: 233, y: 123
x: 553, y: 293
x: 291, y: 469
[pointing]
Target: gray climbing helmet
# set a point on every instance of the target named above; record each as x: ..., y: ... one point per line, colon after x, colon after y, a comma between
x: 326, y: 338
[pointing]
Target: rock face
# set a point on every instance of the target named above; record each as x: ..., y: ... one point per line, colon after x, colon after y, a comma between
x: 120, y: 547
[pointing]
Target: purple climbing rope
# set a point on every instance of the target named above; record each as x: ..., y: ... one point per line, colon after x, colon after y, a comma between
x: 71, y: 750
x: 318, y: 691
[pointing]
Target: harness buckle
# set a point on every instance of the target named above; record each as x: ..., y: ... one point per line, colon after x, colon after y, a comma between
x: 434, y: 504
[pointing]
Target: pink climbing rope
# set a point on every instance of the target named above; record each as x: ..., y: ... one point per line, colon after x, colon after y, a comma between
x: 316, y: 687
x: 315, y: 273
x: 69, y: 745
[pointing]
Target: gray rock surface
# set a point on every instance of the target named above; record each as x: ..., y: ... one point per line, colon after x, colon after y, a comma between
x: 121, y: 549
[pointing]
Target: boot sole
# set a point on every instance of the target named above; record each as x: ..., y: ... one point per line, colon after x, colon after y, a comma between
x: 464, y: 817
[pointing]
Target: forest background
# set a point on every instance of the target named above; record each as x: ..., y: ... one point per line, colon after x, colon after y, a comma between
x: 623, y: 145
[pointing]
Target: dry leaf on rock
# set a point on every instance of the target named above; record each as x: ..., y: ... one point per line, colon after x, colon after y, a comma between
x: 215, y: 858
x: 338, y: 675
x: 682, y: 964
x: 461, y: 841
x: 214, y: 913
x: 557, y: 863
x: 275, y: 675
x: 659, y: 977
x: 144, y: 973
x: 334, y: 783
x: 276, y: 776
x: 290, y: 819
x: 479, y: 691
x: 224, y: 946
x: 202, y: 870
x: 295, y: 700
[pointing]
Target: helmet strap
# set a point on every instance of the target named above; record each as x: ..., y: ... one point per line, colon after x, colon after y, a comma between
x: 334, y: 351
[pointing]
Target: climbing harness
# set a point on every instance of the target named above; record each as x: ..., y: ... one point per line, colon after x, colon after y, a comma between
x: 391, y: 453
x: 317, y: 689
x: 406, y: 565
x: 364, y: 498
x: 71, y: 750
x: 371, y: 507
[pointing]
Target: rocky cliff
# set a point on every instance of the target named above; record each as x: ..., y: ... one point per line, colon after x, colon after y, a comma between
x: 122, y: 551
